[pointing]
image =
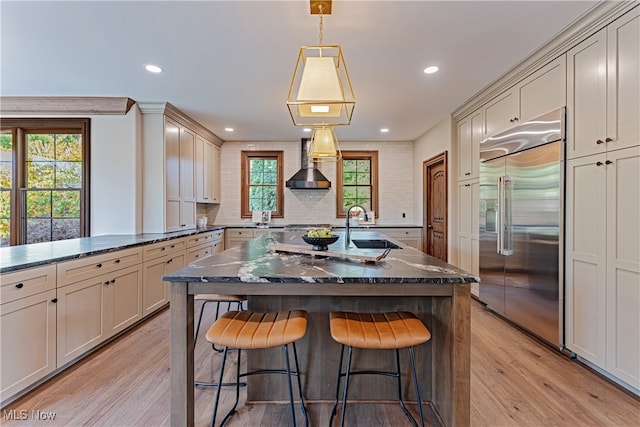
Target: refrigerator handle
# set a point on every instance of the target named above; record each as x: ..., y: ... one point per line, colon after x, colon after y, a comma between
x: 507, y: 232
x: 500, y: 210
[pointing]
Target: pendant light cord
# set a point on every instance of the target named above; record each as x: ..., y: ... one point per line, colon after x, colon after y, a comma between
x: 321, y: 23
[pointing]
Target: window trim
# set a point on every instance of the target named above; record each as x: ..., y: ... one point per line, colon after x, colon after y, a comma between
x: 357, y: 155
x: 246, y: 156
x: 20, y: 127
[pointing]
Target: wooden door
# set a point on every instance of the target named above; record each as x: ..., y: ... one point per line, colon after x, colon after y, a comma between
x: 435, y: 206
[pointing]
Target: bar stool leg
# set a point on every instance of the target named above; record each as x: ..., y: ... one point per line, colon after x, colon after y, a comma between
x: 415, y: 381
x: 291, y: 405
x: 217, y: 399
x: 346, y: 386
x: 335, y: 403
x: 304, y: 409
x: 404, y: 408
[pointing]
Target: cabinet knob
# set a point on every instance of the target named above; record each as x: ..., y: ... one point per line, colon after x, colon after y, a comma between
x: 599, y: 142
x: 99, y: 265
x: 118, y: 261
x: 55, y: 300
x: 608, y: 139
x: 467, y: 185
x: 113, y: 281
x: 467, y: 173
x: 106, y: 283
x: 608, y: 162
x: 170, y: 261
x: 598, y: 163
x: 515, y: 119
x: 162, y: 248
x: 20, y: 285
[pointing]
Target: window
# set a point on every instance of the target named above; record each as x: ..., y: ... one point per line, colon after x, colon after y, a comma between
x: 43, y: 180
x: 262, y: 183
x: 357, y: 176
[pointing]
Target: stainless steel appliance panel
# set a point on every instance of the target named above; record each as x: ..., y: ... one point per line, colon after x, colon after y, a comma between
x: 532, y: 268
x: 491, y: 261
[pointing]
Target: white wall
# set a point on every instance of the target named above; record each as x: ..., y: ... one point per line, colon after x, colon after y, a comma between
x: 433, y: 142
x: 116, y: 197
x: 319, y: 206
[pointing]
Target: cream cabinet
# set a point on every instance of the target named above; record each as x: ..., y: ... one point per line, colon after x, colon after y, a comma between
x: 603, y: 261
x: 468, y: 229
x: 469, y: 136
x: 409, y: 236
x: 199, y: 246
x: 603, y: 87
x: 207, y: 169
x: 159, y: 259
x: 27, y: 328
x: 97, y: 297
x: 539, y: 93
x: 237, y: 236
x: 172, y: 168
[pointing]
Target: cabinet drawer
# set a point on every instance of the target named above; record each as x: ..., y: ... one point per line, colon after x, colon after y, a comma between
x: 233, y: 233
x: 28, y: 282
x: 85, y: 268
x: 199, y: 252
x: 218, y: 235
x: 159, y: 249
x: 198, y: 239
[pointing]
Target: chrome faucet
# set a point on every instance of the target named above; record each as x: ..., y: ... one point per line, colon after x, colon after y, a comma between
x: 347, y: 236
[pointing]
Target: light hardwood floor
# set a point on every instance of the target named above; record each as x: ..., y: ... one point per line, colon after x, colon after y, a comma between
x: 515, y: 381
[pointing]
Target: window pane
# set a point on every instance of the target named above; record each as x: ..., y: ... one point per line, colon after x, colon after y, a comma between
x: 349, y: 178
x: 363, y: 179
x: 349, y: 165
x: 5, y: 217
x: 255, y: 178
x: 270, y: 178
x: 6, y: 160
x: 38, y: 204
x: 38, y: 230
x: 271, y: 166
x: 364, y: 193
x: 66, y: 204
x: 40, y: 147
x: 68, y: 147
x: 257, y: 166
x: 364, y: 166
x: 349, y: 192
x: 40, y: 175
x: 65, y: 229
x: 255, y: 192
x: 68, y: 175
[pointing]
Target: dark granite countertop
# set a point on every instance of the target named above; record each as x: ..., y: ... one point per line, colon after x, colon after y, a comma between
x: 253, y: 263
x: 26, y: 256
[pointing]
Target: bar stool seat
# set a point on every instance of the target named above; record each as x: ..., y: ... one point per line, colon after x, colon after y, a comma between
x: 246, y: 330
x: 380, y: 331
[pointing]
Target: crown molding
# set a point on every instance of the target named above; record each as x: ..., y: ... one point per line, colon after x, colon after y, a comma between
x: 589, y: 23
x: 175, y: 114
x: 29, y: 105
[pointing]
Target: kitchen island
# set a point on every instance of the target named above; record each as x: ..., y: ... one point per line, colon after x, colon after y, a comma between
x: 406, y: 279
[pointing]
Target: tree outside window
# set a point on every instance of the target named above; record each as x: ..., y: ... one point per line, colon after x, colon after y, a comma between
x: 262, y: 188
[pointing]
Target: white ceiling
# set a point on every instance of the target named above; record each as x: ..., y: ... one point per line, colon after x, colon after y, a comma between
x: 230, y: 63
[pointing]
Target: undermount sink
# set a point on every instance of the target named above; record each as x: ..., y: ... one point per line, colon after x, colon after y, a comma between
x: 375, y: 244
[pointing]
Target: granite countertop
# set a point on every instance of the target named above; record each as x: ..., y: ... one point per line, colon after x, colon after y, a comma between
x: 15, y: 258
x: 253, y: 262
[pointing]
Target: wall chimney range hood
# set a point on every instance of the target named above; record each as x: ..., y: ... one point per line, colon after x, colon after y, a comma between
x: 308, y: 177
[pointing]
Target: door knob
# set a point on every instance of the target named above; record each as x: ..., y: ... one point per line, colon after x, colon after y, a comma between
x: 429, y: 226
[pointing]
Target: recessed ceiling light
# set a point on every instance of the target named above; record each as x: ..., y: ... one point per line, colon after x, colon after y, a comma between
x: 306, y: 130
x: 152, y: 68
x: 384, y: 130
x: 431, y: 69
x: 228, y: 129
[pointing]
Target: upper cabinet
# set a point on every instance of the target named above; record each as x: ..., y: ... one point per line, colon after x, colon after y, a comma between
x: 180, y: 166
x: 469, y: 133
x: 603, y: 88
x: 537, y: 94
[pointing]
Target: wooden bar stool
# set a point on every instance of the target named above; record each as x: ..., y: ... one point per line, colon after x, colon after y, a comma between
x: 245, y: 330
x: 387, y: 331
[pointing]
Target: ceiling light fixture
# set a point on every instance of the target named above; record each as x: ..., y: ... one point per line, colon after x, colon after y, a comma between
x: 152, y: 68
x: 431, y: 69
x: 324, y: 145
x: 320, y: 93
x: 228, y: 129
x: 384, y: 130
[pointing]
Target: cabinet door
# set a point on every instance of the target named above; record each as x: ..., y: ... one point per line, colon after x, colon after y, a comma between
x: 623, y: 73
x: 153, y: 288
x: 124, y: 299
x: 544, y: 90
x: 187, y: 179
x: 207, y: 167
x: 172, y: 159
x: 586, y: 96
x: 501, y: 112
x: 80, y: 318
x: 215, y: 175
x: 623, y: 265
x: 464, y: 148
x: 586, y: 254
x: 27, y: 341
x: 200, y: 165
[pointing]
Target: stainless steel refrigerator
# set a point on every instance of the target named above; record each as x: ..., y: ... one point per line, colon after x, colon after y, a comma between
x: 521, y: 211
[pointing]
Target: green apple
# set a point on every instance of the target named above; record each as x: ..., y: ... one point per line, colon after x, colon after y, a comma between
x: 325, y: 232
x: 313, y: 233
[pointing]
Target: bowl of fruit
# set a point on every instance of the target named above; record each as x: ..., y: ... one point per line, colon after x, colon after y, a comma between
x: 320, y: 238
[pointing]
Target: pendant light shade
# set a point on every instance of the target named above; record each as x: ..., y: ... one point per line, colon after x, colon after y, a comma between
x: 324, y: 145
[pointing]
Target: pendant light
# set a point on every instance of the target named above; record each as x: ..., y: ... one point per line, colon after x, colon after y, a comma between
x: 320, y: 93
x: 324, y: 145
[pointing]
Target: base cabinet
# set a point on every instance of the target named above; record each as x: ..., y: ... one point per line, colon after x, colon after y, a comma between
x: 28, y: 336
x: 409, y: 236
x: 468, y: 229
x: 160, y: 259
